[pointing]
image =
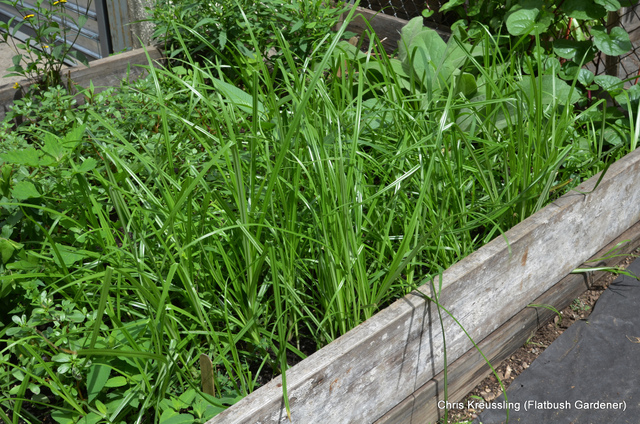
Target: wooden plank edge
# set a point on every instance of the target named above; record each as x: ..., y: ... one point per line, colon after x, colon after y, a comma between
x: 386, y: 27
x: 421, y: 407
x: 111, y: 70
x: 105, y: 72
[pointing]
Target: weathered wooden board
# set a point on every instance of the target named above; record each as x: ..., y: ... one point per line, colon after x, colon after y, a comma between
x: 107, y: 72
x: 368, y: 371
x: 386, y: 27
x: 421, y: 407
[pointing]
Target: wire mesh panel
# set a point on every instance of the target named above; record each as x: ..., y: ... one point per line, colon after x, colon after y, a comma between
x: 629, y: 63
x: 403, y: 9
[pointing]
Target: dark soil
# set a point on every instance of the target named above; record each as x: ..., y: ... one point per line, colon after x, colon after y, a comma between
x: 510, y: 368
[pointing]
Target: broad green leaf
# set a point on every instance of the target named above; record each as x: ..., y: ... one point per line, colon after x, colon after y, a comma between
x: 583, y: 9
x: 65, y: 417
x: 96, y: 379
x: 236, y: 96
x: 34, y: 388
x: 64, y: 368
x: 427, y: 13
x: 101, y: 407
x: 455, y: 56
x: 6, y: 230
x: 53, y: 147
x: 613, y: 44
x: 24, y: 190
x: 82, y: 20
x: 550, y: 65
x: 90, y: 418
x: 527, y: 16
x: 168, y: 412
x: 396, y: 68
x: 569, y: 71
x: 610, y: 5
x: 297, y: 25
x: 409, y: 32
x: 57, y: 51
x: 466, y: 84
x: 21, y: 265
x: 611, y: 136
x: 188, y: 397
x: 451, y: 4
x: 69, y: 255
x: 7, y: 247
x: 118, y: 381
x: 608, y: 82
x: 179, y: 70
x: 521, y: 21
x: 29, y: 157
x: 427, y: 52
x: 87, y: 165
x: 552, y: 90
x: 631, y: 95
x: 51, y: 30
x: 76, y: 316
x: 585, y: 76
x: 578, y: 51
x: 74, y: 136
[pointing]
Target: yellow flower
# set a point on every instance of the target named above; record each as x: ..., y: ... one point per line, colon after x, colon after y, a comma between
x: 59, y: 1
x: 29, y: 16
x: 16, y: 86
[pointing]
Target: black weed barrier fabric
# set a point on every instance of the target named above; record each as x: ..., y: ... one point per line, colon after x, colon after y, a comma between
x: 590, y: 374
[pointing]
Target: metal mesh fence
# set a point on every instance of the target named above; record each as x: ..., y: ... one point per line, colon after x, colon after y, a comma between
x: 403, y: 9
x: 629, y: 64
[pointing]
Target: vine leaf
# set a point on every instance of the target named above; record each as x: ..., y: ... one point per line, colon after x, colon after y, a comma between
x: 613, y: 44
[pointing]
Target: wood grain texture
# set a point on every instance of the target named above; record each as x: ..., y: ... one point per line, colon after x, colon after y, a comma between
x: 386, y: 27
x: 371, y: 369
x: 108, y: 72
x: 421, y: 407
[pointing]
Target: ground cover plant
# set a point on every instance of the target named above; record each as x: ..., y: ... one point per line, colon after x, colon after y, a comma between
x: 255, y: 213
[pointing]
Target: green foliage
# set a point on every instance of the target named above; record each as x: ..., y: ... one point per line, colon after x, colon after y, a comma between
x: 46, y: 51
x: 573, y: 29
x: 255, y: 216
x: 243, y: 26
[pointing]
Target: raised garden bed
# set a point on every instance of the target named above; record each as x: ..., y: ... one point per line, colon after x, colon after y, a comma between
x: 387, y: 27
x: 390, y: 368
x: 107, y: 72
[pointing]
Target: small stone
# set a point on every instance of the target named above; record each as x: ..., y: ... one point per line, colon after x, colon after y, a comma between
x: 489, y: 397
x: 525, y: 365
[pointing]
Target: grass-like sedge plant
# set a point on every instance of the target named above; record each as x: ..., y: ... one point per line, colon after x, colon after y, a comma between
x: 277, y: 208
